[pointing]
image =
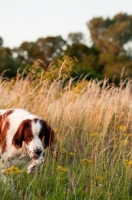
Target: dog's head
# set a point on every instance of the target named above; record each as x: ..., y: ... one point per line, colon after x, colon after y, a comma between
x: 33, y: 132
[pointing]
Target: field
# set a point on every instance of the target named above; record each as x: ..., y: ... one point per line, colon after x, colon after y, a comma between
x: 91, y: 157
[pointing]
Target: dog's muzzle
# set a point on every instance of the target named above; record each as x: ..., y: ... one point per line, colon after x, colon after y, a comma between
x: 37, y: 153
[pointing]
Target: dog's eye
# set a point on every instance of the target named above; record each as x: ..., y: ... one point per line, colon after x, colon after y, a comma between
x: 30, y: 137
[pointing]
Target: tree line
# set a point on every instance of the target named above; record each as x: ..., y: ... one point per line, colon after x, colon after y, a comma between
x: 109, y: 54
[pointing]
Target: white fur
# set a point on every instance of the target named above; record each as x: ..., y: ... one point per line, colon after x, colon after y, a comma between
x: 12, y: 154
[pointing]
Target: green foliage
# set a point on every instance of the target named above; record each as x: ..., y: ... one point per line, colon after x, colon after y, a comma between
x: 44, y: 48
x: 1, y: 41
x: 110, y: 35
x: 76, y: 38
x: 114, y: 65
x: 63, y: 59
x: 60, y: 69
x: 79, y: 51
x: 86, y: 61
x: 8, y: 66
x: 80, y: 87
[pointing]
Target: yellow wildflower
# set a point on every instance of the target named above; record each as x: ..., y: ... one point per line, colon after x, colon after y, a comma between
x: 71, y: 153
x: 67, y: 153
x: 94, y: 135
x: 12, y: 170
x: 116, y: 139
x: 125, y: 135
x: 127, y: 163
x: 124, y: 142
x: 64, y: 150
x: 101, y: 135
x: 86, y: 162
x: 122, y: 128
x: 62, y: 169
x: 99, y: 179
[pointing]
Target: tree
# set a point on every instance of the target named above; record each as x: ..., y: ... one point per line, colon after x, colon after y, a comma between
x: 110, y: 35
x: 44, y: 48
x: 86, y: 60
x: 8, y: 65
x: 1, y: 41
x: 75, y: 38
x: 51, y: 47
x: 77, y: 50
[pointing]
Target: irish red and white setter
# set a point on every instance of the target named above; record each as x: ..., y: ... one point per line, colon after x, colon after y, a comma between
x: 21, y: 136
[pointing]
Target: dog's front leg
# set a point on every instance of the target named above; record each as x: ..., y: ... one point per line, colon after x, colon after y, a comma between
x: 35, y: 165
x: 4, y: 163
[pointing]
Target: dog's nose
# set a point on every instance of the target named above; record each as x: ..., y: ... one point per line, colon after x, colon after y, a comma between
x: 38, y: 152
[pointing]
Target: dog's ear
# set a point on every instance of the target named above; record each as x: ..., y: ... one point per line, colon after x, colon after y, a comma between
x: 47, y: 134
x: 19, y: 136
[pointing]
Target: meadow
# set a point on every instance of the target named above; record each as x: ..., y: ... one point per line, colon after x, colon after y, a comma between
x: 91, y: 157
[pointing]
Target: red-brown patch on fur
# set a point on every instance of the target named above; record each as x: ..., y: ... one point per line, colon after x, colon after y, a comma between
x: 4, y: 126
x: 23, y: 133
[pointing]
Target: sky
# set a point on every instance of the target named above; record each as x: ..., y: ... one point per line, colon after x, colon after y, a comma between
x: 28, y: 20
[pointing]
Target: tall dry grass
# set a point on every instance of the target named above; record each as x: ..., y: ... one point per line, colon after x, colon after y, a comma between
x: 92, y: 156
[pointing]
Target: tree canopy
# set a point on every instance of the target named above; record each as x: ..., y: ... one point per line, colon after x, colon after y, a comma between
x: 107, y: 56
x: 110, y: 35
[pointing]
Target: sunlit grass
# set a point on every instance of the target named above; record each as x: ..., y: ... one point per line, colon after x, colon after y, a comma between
x: 92, y: 154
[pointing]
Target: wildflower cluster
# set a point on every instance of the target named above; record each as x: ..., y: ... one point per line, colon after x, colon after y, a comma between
x: 99, y: 179
x: 122, y: 128
x: 67, y: 153
x: 127, y: 163
x: 118, y: 142
x: 12, y: 170
x: 86, y: 162
x: 61, y: 169
x: 124, y: 142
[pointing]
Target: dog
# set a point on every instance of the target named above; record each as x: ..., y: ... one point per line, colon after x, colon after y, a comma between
x: 22, y: 135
